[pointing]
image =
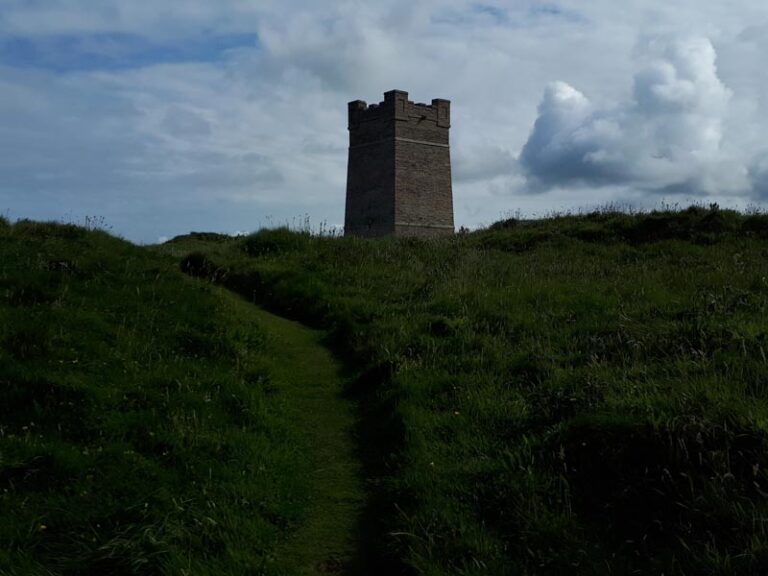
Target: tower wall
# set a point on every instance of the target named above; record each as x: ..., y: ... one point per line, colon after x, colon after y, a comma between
x: 399, y: 171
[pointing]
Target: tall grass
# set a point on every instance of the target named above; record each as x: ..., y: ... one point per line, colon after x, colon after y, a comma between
x: 584, y: 394
x: 139, y: 430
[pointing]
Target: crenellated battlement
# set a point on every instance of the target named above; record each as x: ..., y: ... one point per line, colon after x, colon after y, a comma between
x: 396, y: 105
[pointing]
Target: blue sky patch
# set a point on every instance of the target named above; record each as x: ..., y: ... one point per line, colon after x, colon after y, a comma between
x: 521, y: 17
x: 70, y: 53
x: 550, y: 10
x: 499, y: 15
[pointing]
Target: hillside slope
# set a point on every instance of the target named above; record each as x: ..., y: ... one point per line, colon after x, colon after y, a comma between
x: 578, y: 395
x: 149, y: 423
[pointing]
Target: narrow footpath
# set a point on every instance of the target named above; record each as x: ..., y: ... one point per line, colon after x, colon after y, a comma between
x: 312, y: 383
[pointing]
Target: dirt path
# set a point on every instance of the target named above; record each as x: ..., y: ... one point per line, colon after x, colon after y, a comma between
x: 311, y: 382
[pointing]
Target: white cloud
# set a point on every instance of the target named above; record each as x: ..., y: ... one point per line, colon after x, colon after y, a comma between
x: 668, y: 137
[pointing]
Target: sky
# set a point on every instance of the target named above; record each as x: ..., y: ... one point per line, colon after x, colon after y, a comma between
x: 163, y: 117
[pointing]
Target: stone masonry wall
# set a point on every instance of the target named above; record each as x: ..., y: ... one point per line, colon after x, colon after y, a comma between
x: 370, y: 209
x: 399, y: 171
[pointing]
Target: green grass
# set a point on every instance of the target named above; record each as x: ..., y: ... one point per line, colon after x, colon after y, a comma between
x: 578, y: 395
x: 314, y: 403
x: 148, y: 422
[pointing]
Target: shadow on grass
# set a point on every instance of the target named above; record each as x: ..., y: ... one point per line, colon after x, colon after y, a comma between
x: 379, y: 433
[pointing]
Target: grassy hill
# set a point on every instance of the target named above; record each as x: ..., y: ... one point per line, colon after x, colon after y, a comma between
x: 577, y: 395
x: 141, y: 429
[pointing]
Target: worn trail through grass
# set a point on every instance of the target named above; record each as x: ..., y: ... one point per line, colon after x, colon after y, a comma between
x: 311, y: 383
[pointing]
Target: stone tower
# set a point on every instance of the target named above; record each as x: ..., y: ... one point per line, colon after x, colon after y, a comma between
x: 399, y: 171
